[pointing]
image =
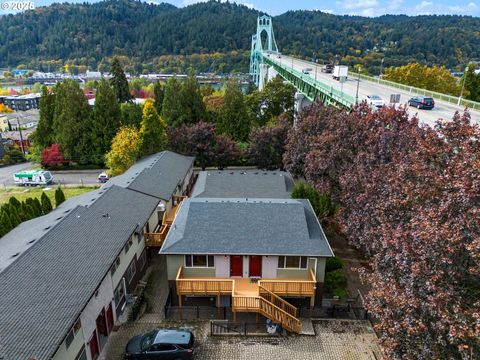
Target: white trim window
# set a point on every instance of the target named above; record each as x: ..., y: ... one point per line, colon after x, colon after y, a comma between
x: 292, y: 262
x: 119, y: 293
x: 199, y: 261
x: 132, y: 269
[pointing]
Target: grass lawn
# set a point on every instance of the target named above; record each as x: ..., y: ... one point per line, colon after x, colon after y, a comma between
x: 22, y: 193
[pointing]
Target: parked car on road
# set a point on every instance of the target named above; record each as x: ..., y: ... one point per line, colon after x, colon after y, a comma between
x: 103, y: 177
x: 422, y: 102
x: 163, y: 344
x: 375, y: 100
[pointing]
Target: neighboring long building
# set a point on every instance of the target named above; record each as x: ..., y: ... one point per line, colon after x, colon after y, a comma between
x: 64, y: 277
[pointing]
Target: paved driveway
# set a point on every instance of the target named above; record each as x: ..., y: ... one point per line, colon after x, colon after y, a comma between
x: 334, y: 340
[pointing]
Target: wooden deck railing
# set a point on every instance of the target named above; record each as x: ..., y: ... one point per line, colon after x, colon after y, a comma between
x: 202, y: 286
x: 267, y: 309
x: 156, y: 238
x: 277, y: 301
x: 291, y: 287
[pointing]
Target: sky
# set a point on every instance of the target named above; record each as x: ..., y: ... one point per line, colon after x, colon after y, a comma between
x: 369, y: 8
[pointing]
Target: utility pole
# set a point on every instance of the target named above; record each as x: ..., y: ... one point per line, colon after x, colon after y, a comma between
x: 315, y: 72
x: 20, y: 131
x: 463, y: 86
x: 358, y: 85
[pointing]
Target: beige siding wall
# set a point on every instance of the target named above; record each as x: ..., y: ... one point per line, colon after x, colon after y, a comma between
x: 69, y: 354
x: 321, y: 269
x: 126, y: 258
x: 175, y: 261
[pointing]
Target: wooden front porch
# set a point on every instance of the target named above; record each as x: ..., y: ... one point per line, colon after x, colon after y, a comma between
x: 158, y: 236
x: 253, y: 295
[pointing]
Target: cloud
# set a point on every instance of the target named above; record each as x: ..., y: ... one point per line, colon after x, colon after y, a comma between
x: 359, y: 4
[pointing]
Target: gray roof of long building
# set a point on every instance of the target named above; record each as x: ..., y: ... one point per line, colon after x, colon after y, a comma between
x: 29, y: 232
x: 157, y: 175
x: 240, y: 226
x: 45, y: 289
x: 243, y: 184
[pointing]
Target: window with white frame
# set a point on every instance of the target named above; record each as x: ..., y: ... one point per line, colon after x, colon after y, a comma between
x: 142, y: 260
x: 201, y: 261
x: 119, y: 293
x: 128, y: 244
x: 132, y: 269
x: 82, y: 354
x: 292, y: 262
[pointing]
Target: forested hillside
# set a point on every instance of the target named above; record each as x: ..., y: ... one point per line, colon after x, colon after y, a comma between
x: 90, y: 34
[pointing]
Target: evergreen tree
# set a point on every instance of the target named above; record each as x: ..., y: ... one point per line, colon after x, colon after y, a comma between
x: 46, y: 204
x: 44, y: 132
x: 106, y: 120
x: 158, y: 95
x: 171, y: 107
x: 234, y: 119
x: 36, y: 206
x: 131, y: 115
x: 59, y: 197
x: 15, y: 219
x: 119, y: 82
x: 5, y: 223
x: 192, y: 108
x: 72, y: 122
x: 153, y: 131
x: 13, y: 201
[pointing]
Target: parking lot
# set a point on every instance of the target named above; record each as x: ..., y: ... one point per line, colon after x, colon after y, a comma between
x: 334, y: 339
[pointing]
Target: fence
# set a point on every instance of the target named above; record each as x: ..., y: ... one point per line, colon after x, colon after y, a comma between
x: 225, y: 327
x: 414, y: 91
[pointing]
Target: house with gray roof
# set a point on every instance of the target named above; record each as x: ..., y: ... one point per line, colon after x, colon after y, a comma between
x: 65, y: 277
x: 243, y: 184
x: 247, y: 253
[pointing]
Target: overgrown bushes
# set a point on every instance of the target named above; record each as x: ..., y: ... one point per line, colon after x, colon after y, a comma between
x: 335, y: 280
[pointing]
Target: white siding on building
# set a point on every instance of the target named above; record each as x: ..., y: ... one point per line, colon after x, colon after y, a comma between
x: 269, y: 267
x: 95, y: 306
x: 222, y: 266
x: 245, y: 266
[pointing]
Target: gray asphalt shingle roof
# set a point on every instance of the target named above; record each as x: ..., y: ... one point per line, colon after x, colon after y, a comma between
x: 44, y: 291
x: 243, y: 184
x: 240, y: 226
x: 157, y: 175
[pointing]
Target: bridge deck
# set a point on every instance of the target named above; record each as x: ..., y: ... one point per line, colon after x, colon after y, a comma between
x: 443, y: 109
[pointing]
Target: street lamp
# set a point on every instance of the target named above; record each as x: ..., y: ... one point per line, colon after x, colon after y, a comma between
x: 381, y: 70
x: 358, y: 85
x: 463, y: 85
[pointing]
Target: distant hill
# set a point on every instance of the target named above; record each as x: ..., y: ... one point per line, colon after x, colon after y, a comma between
x: 164, y: 38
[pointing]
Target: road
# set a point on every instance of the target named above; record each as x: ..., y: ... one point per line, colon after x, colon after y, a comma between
x: 442, y: 110
x: 70, y: 177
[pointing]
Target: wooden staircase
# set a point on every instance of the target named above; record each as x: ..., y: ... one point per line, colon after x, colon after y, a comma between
x: 269, y: 305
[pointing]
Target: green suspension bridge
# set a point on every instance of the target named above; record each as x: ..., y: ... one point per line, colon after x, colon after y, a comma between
x: 312, y: 85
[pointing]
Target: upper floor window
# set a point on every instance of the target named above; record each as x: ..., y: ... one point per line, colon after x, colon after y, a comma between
x: 199, y: 261
x: 292, y: 262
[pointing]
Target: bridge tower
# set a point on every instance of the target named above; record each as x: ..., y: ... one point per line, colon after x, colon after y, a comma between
x: 264, y: 25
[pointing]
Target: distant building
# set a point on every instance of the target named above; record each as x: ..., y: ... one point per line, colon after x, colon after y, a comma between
x: 12, y: 138
x: 27, y: 119
x: 22, y: 102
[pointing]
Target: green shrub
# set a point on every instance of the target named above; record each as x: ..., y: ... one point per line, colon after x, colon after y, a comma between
x: 333, y: 263
x: 321, y: 204
x: 340, y: 292
x: 335, y: 280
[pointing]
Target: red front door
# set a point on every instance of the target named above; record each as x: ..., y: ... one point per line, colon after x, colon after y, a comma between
x: 255, y: 268
x: 93, y: 343
x: 236, y: 265
x: 109, y: 318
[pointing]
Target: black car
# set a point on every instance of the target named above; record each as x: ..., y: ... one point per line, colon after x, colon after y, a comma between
x: 422, y: 102
x: 163, y: 344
